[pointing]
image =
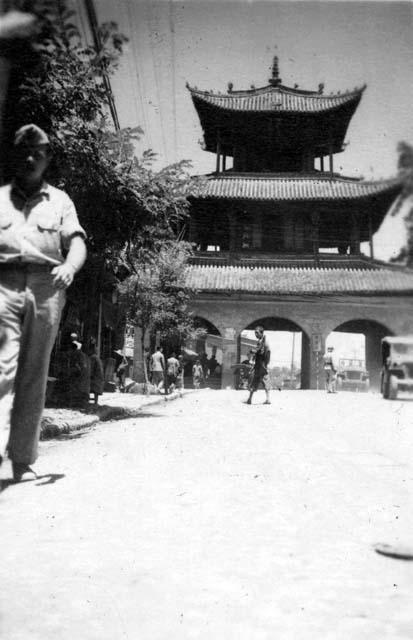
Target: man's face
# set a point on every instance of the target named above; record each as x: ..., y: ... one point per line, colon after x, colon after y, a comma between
x: 32, y: 161
x: 258, y: 333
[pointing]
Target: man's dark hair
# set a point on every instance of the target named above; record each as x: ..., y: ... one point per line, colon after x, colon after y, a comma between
x: 260, y: 329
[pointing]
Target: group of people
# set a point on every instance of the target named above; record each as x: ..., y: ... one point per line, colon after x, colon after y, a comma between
x: 79, y: 374
x: 166, y: 375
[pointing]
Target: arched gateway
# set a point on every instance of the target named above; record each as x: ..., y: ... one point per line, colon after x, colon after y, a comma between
x: 280, y: 233
x: 289, y: 346
x: 373, y: 332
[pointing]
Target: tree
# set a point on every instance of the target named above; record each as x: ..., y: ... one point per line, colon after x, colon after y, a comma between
x: 405, y: 199
x: 156, y: 296
x: 58, y: 83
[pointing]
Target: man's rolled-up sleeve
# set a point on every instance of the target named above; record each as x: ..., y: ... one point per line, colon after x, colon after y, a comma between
x: 70, y: 225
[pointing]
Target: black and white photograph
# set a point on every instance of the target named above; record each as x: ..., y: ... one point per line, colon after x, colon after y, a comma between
x: 206, y: 319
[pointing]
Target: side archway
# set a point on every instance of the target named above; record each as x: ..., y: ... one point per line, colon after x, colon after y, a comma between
x: 373, y: 332
x: 208, y: 346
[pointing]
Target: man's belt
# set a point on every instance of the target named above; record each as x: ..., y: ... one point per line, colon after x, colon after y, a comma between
x: 25, y: 267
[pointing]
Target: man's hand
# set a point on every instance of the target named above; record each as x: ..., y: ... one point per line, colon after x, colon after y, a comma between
x: 63, y: 275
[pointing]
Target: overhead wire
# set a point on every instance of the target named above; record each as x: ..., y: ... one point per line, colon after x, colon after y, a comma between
x: 92, y: 18
x: 134, y: 60
x: 173, y: 63
x: 153, y: 32
x: 80, y: 14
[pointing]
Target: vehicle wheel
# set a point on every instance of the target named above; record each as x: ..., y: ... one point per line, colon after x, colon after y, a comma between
x: 393, y: 388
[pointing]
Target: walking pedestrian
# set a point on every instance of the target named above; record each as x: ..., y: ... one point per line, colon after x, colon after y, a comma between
x: 330, y: 370
x: 246, y: 373
x: 172, y: 366
x: 78, y: 381
x: 121, y: 371
x: 180, y: 374
x: 37, y: 221
x: 197, y: 374
x: 96, y: 372
x: 158, y: 368
x: 260, y: 367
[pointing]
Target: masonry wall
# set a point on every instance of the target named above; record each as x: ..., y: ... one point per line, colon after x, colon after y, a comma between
x: 317, y: 316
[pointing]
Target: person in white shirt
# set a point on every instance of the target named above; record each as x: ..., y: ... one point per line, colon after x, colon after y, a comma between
x: 158, y: 368
x: 42, y: 246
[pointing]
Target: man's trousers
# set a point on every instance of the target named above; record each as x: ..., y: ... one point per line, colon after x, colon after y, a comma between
x: 30, y: 309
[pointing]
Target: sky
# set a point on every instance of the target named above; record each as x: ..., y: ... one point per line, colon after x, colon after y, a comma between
x: 209, y: 43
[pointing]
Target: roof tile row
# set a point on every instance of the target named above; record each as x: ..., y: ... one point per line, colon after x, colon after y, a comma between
x: 297, y: 188
x: 293, y: 281
x: 279, y: 99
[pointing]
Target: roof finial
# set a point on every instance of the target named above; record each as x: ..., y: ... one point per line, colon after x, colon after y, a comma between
x: 321, y: 88
x: 230, y: 87
x: 275, y: 79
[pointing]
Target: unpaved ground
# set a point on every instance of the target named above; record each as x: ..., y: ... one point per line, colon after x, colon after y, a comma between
x: 207, y: 518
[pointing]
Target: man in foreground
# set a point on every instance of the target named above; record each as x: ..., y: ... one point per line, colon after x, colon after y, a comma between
x: 260, y: 370
x: 38, y: 227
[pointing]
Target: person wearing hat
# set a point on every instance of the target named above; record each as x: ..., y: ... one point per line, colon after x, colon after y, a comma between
x: 330, y: 370
x: 42, y: 246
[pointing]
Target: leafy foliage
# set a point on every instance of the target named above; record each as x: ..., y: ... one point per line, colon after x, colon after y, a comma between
x: 60, y: 85
x: 133, y: 216
x: 405, y: 166
x: 155, y: 295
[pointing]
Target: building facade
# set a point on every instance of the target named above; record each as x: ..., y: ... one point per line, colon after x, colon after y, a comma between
x: 278, y: 232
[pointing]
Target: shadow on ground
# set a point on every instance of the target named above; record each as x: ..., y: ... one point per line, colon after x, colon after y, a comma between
x: 48, y: 478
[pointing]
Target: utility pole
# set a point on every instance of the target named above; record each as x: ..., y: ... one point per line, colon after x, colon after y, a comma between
x: 93, y: 23
x: 94, y: 27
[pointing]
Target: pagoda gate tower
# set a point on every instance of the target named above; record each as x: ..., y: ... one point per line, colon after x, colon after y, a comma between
x: 278, y: 232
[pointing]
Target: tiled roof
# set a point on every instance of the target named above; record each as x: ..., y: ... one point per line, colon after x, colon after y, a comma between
x: 293, y: 281
x: 278, y: 187
x: 276, y: 99
x: 280, y: 261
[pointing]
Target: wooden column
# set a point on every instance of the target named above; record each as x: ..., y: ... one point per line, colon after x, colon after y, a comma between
x: 322, y: 163
x: 288, y: 223
x: 235, y: 159
x: 355, y: 235
x: 218, y: 151
x: 371, y: 237
x: 193, y: 230
x: 232, y: 221
x: 315, y: 221
x: 224, y: 162
x: 330, y: 150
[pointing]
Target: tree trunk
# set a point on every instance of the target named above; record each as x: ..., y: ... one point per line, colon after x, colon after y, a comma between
x: 145, y: 370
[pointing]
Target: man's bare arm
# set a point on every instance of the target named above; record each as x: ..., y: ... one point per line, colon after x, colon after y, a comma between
x: 64, y: 273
